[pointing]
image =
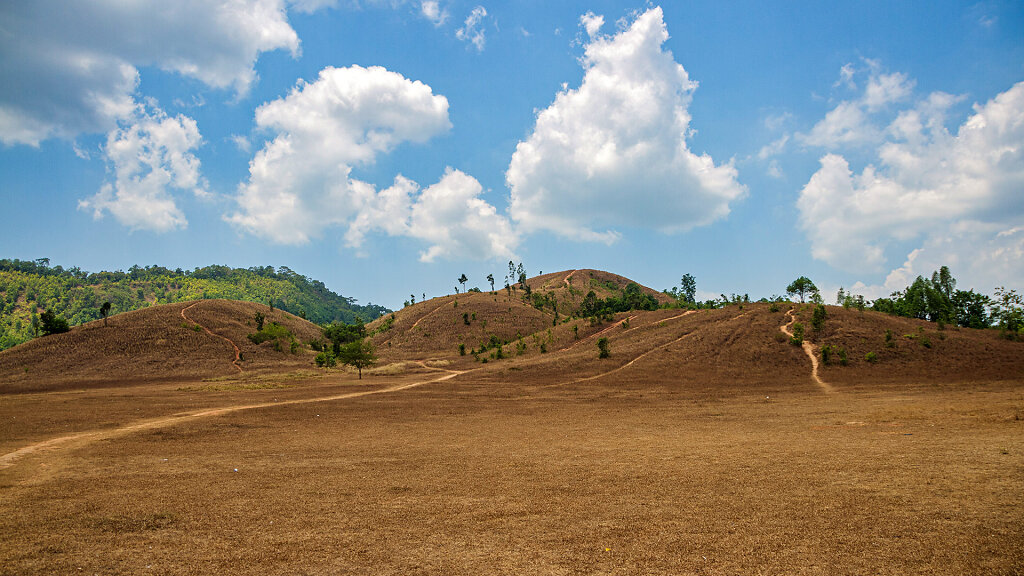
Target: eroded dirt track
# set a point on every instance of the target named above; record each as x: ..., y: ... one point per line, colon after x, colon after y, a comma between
x: 238, y: 352
x: 809, y: 350
x: 81, y: 438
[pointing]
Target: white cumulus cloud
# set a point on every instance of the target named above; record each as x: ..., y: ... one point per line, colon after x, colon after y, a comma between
x: 852, y: 122
x: 301, y: 182
x: 955, y: 195
x: 457, y: 223
x: 450, y: 216
x: 613, y: 152
x: 150, y: 156
x: 68, y: 70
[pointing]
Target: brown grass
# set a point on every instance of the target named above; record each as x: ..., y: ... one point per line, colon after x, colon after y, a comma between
x: 153, y: 344
x: 700, y: 447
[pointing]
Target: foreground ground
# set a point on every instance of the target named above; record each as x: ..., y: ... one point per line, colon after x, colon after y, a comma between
x: 493, y: 472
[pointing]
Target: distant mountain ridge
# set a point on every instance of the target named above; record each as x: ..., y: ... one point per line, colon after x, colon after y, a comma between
x: 28, y: 287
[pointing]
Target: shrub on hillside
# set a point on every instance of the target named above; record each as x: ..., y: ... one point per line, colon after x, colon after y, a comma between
x: 50, y: 323
x: 272, y: 331
x: 602, y: 347
x: 326, y: 360
x: 818, y: 318
x: 798, y: 335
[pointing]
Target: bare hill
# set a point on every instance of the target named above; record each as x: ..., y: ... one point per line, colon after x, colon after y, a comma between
x: 436, y: 327
x: 530, y: 338
x: 736, y: 347
x: 157, y: 343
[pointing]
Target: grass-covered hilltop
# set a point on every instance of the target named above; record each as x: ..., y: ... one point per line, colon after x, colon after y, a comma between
x: 28, y: 288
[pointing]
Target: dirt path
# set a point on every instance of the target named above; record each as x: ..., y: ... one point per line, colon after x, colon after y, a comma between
x: 631, y: 362
x: 238, y: 352
x: 567, y: 277
x: 619, y: 323
x: 596, y: 334
x: 417, y: 323
x: 82, y: 438
x: 809, y: 350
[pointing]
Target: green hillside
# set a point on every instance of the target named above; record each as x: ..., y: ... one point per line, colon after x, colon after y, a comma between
x: 27, y: 288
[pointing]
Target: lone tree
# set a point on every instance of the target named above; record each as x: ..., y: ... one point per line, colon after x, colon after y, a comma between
x: 105, y: 311
x: 50, y: 323
x: 462, y: 280
x: 688, y: 289
x: 358, y: 354
x: 490, y: 278
x: 801, y: 286
x: 602, y: 348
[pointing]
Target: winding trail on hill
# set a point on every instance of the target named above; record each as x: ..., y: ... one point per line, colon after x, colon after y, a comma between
x: 619, y: 323
x: 238, y: 351
x: 649, y: 352
x: 596, y: 334
x: 809, y: 350
x: 634, y: 360
x: 417, y: 323
x: 82, y: 438
x: 567, y: 277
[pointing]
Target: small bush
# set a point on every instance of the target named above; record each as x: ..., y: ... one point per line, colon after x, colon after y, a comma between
x: 826, y: 353
x: 326, y: 360
x: 871, y: 357
x: 818, y: 318
x: 774, y: 307
x: 890, y: 342
x: 294, y: 348
x: 780, y: 337
x: 798, y: 335
x: 259, y: 337
x: 926, y: 342
x: 602, y: 347
x: 465, y: 318
x: 543, y: 347
x: 843, y: 360
x: 462, y: 349
x: 260, y: 319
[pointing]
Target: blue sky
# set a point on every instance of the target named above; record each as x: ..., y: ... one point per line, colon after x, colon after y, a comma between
x: 386, y: 147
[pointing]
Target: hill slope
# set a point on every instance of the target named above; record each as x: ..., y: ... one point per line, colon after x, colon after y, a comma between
x: 735, y: 346
x: 183, y: 341
x: 27, y: 288
x: 474, y: 319
x: 508, y: 336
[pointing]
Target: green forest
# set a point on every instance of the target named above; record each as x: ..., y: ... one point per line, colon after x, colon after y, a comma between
x: 30, y: 287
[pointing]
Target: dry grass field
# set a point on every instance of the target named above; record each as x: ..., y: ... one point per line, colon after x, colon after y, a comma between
x: 701, y: 446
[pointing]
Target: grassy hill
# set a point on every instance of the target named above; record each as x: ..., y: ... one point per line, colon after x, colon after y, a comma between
x: 477, y: 320
x: 171, y: 342
x: 535, y: 333
x: 540, y: 338
x: 27, y: 288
